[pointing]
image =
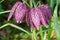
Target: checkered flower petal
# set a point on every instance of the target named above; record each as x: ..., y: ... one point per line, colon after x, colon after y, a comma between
x: 20, y: 13
x: 13, y: 10
x: 35, y: 18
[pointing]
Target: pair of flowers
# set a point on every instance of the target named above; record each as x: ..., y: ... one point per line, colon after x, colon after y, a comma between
x: 34, y: 16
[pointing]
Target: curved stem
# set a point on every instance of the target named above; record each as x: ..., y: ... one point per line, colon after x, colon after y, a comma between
x: 26, y: 3
x: 17, y: 27
x: 31, y: 4
x: 5, y: 12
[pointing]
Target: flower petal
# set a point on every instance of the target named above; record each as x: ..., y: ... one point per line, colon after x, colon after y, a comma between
x: 48, y: 11
x: 20, y: 12
x: 27, y: 17
x: 31, y: 23
x: 13, y: 10
x: 42, y: 17
x: 45, y: 14
x: 35, y: 18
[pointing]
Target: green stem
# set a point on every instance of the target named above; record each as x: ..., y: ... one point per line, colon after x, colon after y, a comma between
x: 5, y: 12
x: 17, y: 27
x: 45, y: 35
x: 41, y: 33
x: 31, y: 4
x: 34, y: 3
x: 26, y: 3
x: 1, y: 1
x: 39, y: 2
x: 34, y: 34
x: 56, y: 25
x: 44, y: 31
x: 49, y: 31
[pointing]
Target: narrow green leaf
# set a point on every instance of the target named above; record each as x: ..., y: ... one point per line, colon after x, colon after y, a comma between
x: 49, y: 31
x: 1, y: 1
x: 58, y: 2
x: 35, y: 2
x: 52, y: 3
x: 56, y: 25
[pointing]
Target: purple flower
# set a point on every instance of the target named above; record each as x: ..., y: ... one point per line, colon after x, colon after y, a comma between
x: 13, y: 10
x: 48, y: 11
x: 18, y: 10
x: 34, y: 16
x: 35, y: 19
x: 40, y: 16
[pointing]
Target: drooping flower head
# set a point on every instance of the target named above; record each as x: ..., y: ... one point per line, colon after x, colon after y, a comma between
x: 34, y: 16
x: 18, y: 10
x: 40, y: 16
x: 13, y: 10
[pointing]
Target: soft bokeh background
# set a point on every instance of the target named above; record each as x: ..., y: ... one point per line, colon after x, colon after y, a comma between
x: 9, y: 30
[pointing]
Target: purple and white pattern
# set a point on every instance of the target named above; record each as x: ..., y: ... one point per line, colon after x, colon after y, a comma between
x: 34, y: 16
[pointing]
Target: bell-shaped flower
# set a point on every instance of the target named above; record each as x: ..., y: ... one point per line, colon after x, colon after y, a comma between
x: 40, y: 16
x: 45, y: 14
x: 35, y: 19
x: 34, y: 16
x: 18, y: 10
x: 47, y: 11
x: 13, y: 10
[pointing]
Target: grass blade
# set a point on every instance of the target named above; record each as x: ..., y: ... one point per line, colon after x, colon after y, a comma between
x: 56, y: 25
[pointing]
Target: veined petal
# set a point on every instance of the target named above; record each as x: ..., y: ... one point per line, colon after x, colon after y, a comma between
x: 13, y: 10
x: 44, y: 14
x: 42, y: 17
x: 31, y: 23
x: 20, y: 12
x: 48, y: 11
x: 27, y: 17
x: 35, y: 18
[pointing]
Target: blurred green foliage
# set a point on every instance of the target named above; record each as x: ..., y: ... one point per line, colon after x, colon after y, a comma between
x: 54, y: 23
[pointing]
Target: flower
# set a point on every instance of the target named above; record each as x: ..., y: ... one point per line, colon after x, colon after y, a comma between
x: 18, y: 10
x: 40, y: 16
x: 13, y: 10
x: 34, y: 16
x: 35, y: 19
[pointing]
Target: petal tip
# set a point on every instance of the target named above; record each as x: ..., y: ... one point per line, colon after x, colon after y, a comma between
x: 20, y: 21
x: 17, y: 21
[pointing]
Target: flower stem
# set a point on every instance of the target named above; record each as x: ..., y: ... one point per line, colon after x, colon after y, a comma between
x: 5, y: 12
x: 41, y: 33
x: 31, y: 4
x: 34, y: 3
x: 34, y: 36
x: 45, y: 35
x: 17, y: 27
x: 26, y: 3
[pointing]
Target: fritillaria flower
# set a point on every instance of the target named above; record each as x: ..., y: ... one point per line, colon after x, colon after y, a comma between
x: 18, y: 10
x: 34, y: 16
x: 40, y: 16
